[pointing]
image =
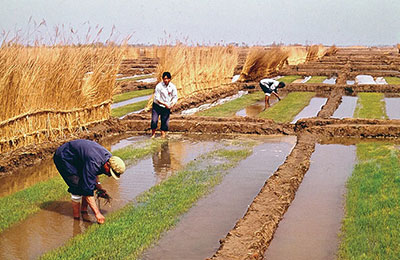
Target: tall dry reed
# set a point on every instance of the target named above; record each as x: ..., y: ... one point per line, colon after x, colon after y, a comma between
x: 263, y: 62
x: 47, y: 90
x: 196, y: 69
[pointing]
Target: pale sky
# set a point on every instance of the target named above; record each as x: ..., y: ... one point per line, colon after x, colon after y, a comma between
x: 339, y: 22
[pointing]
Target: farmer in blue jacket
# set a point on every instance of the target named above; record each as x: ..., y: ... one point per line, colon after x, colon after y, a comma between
x: 80, y: 162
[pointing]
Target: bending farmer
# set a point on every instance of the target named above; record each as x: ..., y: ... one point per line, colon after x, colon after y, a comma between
x: 165, y: 97
x: 80, y: 162
x: 270, y: 86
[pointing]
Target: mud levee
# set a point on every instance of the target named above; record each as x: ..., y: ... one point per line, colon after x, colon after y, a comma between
x: 333, y: 102
x: 29, y: 155
x: 353, y: 128
x: 252, y: 234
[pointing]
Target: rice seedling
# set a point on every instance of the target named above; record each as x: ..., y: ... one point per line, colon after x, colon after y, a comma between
x: 124, y: 110
x: 289, y: 79
x: 317, y: 79
x: 393, y: 80
x: 370, y: 226
x: 370, y: 105
x: 286, y: 109
x: 230, y: 108
x: 132, y: 94
x: 138, y: 225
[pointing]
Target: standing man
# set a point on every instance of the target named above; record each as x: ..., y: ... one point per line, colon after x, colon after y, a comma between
x: 165, y: 97
x: 270, y: 86
x: 80, y: 162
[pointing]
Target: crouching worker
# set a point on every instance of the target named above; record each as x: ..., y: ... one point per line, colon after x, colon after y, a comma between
x: 80, y: 162
x: 270, y: 86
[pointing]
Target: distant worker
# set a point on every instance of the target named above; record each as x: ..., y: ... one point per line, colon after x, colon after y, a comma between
x: 165, y: 97
x: 80, y: 162
x: 270, y: 86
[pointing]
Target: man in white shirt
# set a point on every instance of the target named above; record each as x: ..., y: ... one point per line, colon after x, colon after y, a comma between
x: 165, y: 97
x: 270, y: 86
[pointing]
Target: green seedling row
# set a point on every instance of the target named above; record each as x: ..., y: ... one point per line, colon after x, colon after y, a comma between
x: 370, y: 105
x: 230, y: 108
x: 286, y: 109
x: 371, y: 224
x: 317, y: 79
x: 392, y: 80
x: 120, y: 111
x: 132, y: 94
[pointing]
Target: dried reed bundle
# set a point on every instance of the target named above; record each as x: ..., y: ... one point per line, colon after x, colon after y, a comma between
x: 330, y: 51
x: 398, y: 47
x: 297, y: 54
x: 46, y: 90
x: 262, y: 62
x: 197, y: 68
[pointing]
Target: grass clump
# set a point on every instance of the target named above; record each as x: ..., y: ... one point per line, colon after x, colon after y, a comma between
x: 371, y: 225
x: 230, y: 108
x: 137, y: 226
x: 370, y: 105
x: 289, y: 79
x: 286, y: 109
x: 18, y: 206
x: 132, y: 94
x: 392, y: 80
x: 121, y: 111
x: 317, y: 79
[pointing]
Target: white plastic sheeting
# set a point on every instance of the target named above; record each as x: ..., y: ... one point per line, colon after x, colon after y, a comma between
x: 330, y: 81
x: 364, y: 79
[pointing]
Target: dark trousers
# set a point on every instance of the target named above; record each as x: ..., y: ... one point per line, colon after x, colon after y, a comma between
x: 163, y: 113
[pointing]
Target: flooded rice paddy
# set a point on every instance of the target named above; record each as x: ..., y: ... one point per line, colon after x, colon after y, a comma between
x: 346, y: 107
x: 210, y: 219
x: 312, y: 109
x: 198, y: 233
x: 53, y: 225
x: 310, y: 227
x: 393, y: 108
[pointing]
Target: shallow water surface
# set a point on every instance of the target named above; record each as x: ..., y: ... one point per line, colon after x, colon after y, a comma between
x: 312, y: 109
x: 197, y: 234
x: 346, y: 108
x: 393, y: 108
x: 310, y: 227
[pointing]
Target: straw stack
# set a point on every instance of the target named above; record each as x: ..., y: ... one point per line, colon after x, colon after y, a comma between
x: 262, y: 62
x: 197, y: 69
x: 49, y: 91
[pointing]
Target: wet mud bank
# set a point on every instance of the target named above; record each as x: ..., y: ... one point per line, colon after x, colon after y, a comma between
x: 252, y: 234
